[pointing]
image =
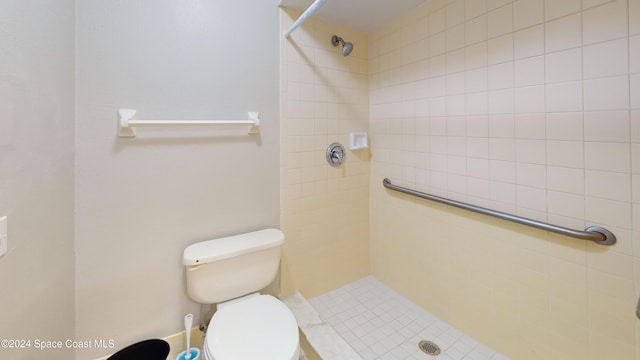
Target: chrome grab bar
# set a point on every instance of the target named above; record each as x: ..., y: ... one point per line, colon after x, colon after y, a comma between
x: 596, y: 234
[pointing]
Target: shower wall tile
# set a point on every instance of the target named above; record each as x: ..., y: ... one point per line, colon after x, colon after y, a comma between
x: 554, y: 9
x: 530, y: 100
x: 563, y: 33
x: 325, y: 210
x: 529, y: 71
x: 598, y: 184
x: 500, y: 21
x: 605, y: 22
x: 611, y: 93
x: 437, y: 22
x: 531, y: 151
x: 565, y: 179
x: 455, y: 37
x: 476, y: 30
x: 540, y: 118
x: 634, y: 17
x: 527, y: 13
x: 530, y: 126
x: 564, y: 97
x: 476, y: 80
x: 454, y: 13
x: 586, y: 4
x: 563, y: 66
x: 634, y: 93
x: 500, y: 76
x: 566, y: 204
x: 608, y: 126
x: 606, y: 59
x: 494, y: 4
x: 607, y: 156
x: 564, y: 126
x: 500, y: 49
x: 532, y: 175
x: 529, y: 42
x: 474, y: 8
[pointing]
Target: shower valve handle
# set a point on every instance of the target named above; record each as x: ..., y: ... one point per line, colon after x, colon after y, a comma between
x: 335, y: 154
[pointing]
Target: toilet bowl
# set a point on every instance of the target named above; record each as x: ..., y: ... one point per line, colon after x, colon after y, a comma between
x: 253, y: 327
x: 229, y: 272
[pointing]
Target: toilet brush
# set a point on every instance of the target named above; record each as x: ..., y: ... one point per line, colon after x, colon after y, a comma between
x: 188, y: 323
x: 189, y: 353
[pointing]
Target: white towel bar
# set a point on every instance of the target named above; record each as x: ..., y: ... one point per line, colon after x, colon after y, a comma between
x: 126, y: 124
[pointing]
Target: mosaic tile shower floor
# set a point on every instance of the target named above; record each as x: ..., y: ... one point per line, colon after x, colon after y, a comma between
x: 381, y: 324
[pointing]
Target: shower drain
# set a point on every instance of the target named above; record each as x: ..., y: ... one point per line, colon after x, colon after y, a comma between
x: 429, y: 348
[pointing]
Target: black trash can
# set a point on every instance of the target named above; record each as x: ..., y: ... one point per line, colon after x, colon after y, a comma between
x: 153, y: 349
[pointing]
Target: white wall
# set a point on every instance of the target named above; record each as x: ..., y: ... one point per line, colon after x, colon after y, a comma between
x: 140, y: 202
x: 36, y: 173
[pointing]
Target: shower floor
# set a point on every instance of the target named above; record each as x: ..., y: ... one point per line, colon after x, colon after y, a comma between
x: 379, y: 323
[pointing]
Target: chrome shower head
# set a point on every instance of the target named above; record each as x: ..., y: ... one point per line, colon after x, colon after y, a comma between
x: 347, y: 47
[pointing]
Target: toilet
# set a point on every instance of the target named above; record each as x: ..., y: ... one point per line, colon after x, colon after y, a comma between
x: 230, y: 272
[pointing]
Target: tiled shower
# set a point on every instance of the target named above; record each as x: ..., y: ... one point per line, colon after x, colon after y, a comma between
x: 526, y: 107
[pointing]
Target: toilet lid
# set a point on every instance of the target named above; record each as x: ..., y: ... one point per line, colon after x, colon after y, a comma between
x: 260, y: 327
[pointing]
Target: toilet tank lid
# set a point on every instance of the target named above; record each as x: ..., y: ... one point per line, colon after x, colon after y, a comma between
x: 230, y: 246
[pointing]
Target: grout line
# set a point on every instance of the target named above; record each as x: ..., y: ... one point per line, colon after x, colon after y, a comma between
x: 634, y: 260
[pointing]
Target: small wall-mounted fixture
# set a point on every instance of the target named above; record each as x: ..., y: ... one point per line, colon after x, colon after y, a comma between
x: 358, y: 140
x: 335, y: 154
x: 347, y: 47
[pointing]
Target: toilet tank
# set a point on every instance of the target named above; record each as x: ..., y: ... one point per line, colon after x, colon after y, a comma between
x: 230, y: 267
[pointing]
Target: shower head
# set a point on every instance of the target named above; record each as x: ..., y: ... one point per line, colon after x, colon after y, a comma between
x: 347, y: 47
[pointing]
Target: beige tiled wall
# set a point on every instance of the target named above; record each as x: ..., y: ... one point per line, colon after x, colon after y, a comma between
x: 530, y: 107
x: 324, y: 210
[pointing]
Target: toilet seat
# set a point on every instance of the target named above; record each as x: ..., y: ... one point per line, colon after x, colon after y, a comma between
x: 259, y: 327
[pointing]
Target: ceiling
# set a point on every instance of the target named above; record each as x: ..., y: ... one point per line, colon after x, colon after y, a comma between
x: 363, y: 15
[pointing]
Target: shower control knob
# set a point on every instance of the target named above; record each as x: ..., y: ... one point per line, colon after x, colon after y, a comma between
x: 335, y: 154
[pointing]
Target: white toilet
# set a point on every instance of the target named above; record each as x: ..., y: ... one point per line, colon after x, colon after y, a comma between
x: 229, y: 272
